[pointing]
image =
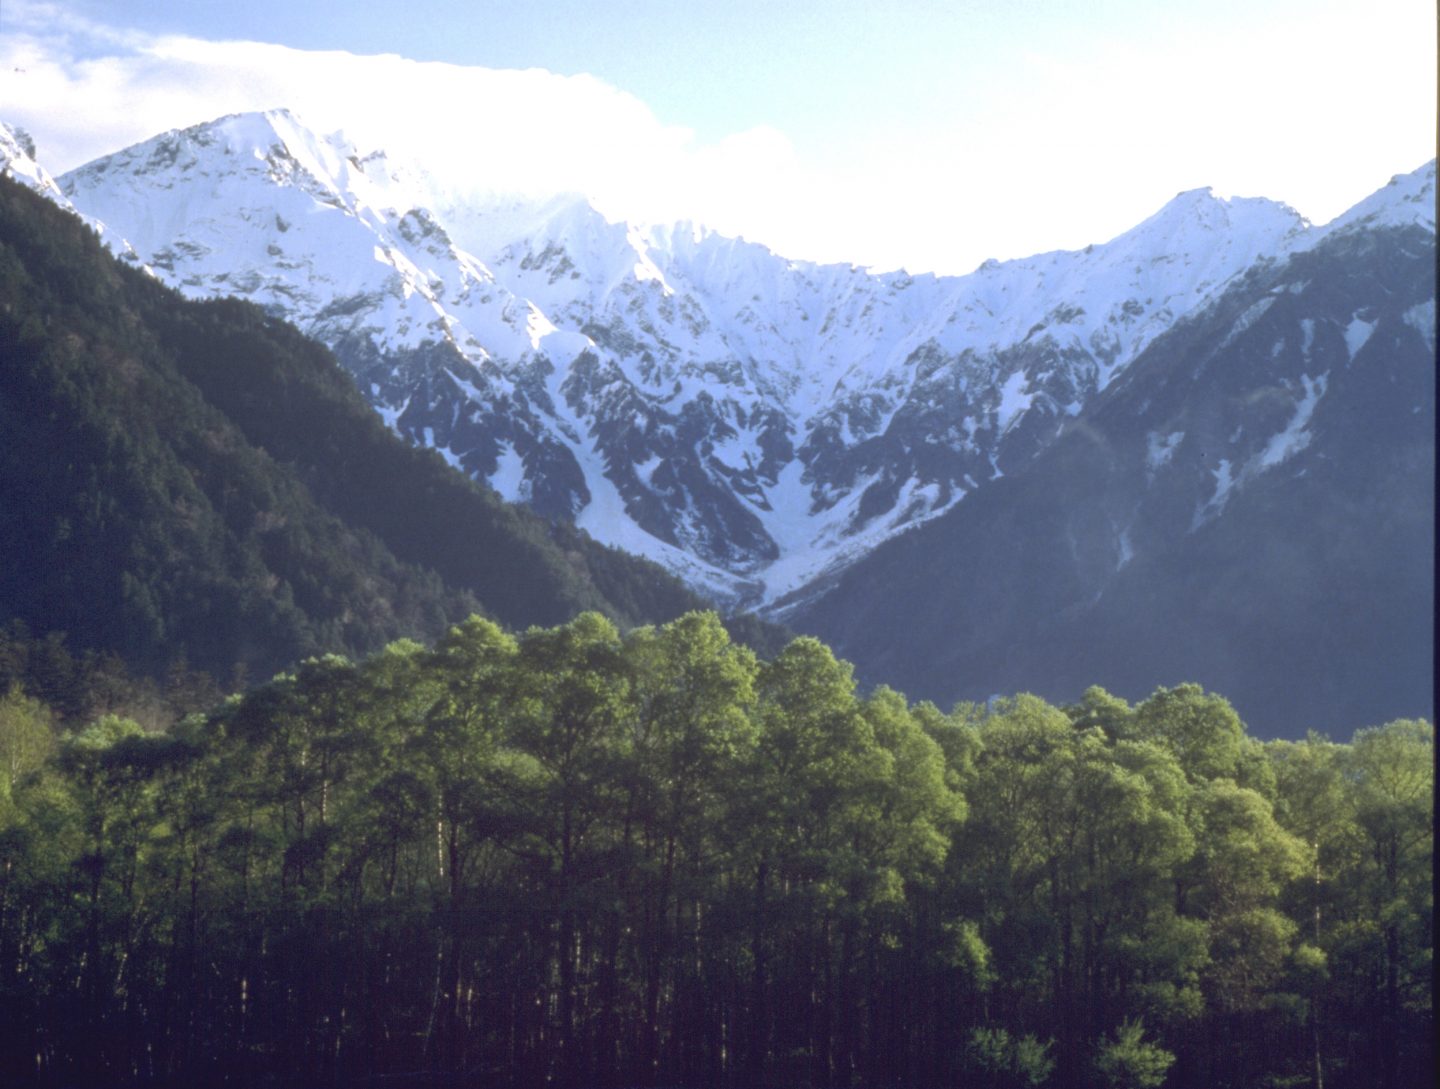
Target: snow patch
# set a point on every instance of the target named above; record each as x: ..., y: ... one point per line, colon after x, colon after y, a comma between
x: 391, y: 415
x: 509, y: 476
x: 807, y: 560
x: 1224, y: 481
x: 1126, y: 549
x: 1252, y: 314
x: 468, y: 388
x: 1421, y: 318
x: 1357, y: 333
x: 644, y: 470
x: 1013, y: 401
x: 733, y: 451
x: 538, y: 326
x: 1307, y: 331
x: 1161, y: 448
x: 1295, y: 437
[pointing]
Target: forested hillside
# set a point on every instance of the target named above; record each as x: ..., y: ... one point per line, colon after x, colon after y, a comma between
x: 577, y: 858
x: 196, y: 483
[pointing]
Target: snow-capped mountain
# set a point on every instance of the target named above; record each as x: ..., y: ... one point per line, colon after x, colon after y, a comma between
x: 17, y: 160
x: 751, y: 422
x: 1249, y: 506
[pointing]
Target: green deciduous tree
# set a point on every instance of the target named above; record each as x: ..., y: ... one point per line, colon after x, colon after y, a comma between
x: 1201, y: 729
x: 27, y: 738
x: 691, y: 735
x: 1390, y: 779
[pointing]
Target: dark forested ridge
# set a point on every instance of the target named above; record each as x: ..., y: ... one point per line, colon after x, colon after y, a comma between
x: 576, y: 858
x: 194, y: 482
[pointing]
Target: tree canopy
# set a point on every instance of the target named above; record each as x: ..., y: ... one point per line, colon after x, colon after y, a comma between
x: 577, y: 856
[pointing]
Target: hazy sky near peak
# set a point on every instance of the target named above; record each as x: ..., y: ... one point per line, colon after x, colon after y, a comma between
x: 919, y: 133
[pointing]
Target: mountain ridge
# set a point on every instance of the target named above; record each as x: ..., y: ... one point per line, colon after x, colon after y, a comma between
x: 1249, y: 507
x: 750, y: 422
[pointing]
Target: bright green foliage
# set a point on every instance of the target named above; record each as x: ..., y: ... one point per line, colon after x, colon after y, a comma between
x: 1390, y: 779
x: 1254, y: 771
x: 1074, y: 838
x: 1129, y: 1062
x: 1243, y: 861
x: 1098, y: 707
x: 1393, y: 781
x: 1202, y: 730
x: 1310, y: 796
x: 1364, y: 904
x: 1007, y: 1061
x: 26, y: 739
x: 817, y: 769
x: 467, y: 699
x: 959, y: 743
x: 915, y: 808
x: 1245, y: 856
x: 692, y: 731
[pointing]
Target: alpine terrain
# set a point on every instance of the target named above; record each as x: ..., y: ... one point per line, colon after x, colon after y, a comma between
x: 1051, y: 435
x: 191, y: 484
x: 1251, y: 505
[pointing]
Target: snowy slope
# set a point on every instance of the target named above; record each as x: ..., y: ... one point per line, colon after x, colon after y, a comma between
x: 825, y: 384
x: 750, y: 422
x: 260, y: 206
x: 17, y: 154
x: 1407, y: 200
x: 17, y: 161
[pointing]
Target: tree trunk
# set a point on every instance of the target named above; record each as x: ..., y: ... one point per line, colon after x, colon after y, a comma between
x: 756, y: 1045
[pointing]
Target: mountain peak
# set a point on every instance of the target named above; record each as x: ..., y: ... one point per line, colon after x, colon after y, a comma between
x: 275, y: 141
x: 1201, y: 193
x: 1206, y: 209
x: 256, y: 127
x: 17, y: 160
x: 1406, y: 200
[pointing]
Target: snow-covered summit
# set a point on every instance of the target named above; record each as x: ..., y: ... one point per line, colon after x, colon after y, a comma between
x: 305, y: 225
x: 18, y: 161
x: 1407, y: 200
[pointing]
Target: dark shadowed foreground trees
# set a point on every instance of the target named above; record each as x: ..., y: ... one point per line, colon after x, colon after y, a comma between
x: 577, y: 858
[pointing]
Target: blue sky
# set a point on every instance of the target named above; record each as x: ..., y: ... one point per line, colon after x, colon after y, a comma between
x: 910, y: 132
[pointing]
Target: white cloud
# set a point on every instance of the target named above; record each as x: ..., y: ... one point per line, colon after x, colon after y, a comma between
x: 510, y: 130
x: 1072, y: 149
